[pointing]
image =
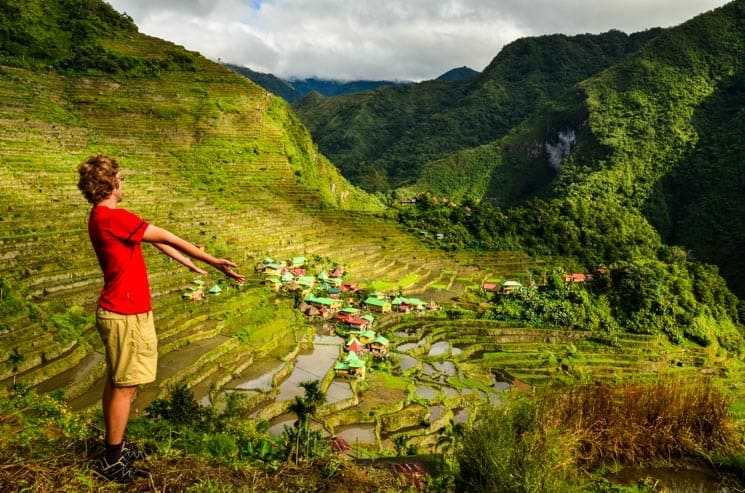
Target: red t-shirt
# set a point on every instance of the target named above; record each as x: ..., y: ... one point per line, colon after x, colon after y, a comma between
x: 116, y: 235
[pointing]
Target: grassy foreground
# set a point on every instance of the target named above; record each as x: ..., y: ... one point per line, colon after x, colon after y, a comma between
x: 563, y: 439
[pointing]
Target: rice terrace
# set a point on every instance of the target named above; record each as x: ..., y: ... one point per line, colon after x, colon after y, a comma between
x: 488, y: 322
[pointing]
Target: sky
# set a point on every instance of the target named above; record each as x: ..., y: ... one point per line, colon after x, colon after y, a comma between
x: 410, y: 40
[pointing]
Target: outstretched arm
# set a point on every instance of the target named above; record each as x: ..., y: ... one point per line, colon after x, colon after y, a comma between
x: 161, y: 237
x: 176, y: 255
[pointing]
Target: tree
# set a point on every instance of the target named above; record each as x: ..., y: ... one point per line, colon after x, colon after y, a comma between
x: 304, y: 408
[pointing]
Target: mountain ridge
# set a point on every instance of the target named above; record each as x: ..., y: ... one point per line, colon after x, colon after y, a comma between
x: 293, y: 89
x: 380, y: 140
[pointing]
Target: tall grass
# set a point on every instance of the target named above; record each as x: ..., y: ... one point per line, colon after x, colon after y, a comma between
x: 542, y: 442
x: 636, y: 422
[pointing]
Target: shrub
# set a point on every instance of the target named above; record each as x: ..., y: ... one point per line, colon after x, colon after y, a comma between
x: 511, y: 449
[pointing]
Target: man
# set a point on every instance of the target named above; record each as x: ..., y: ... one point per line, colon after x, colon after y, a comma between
x: 124, y: 317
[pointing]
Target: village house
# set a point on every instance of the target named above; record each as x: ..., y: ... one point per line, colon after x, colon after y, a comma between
x: 296, y: 262
x: 490, y: 287
x: 349, y: 286
x: 357, y: 323
x: 322, y: 302
x: 273, y: 283
x: 378, y: 295
x: 355, y: 345
x: 273, y: 270
x: 509, y: 287
x: 334, y: 282
x: 365, y: 336
x: 350, y: 310
x: 578, y: 277
x: 339, y: 446
x: 378, y: 305
x: 350, y: 366
x: 194, y: 292
x: 379, y: 347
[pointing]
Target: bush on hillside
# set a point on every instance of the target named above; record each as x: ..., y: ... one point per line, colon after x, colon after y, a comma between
x: 538, y: 443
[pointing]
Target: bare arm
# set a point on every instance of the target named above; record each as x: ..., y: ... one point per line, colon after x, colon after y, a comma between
x: 175, y: 245
x: 176, y: 255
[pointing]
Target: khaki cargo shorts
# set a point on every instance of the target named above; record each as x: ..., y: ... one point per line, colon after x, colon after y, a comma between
x: 131, y: 346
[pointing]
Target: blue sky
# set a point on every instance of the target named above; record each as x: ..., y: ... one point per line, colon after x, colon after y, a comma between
x: 384, y: 39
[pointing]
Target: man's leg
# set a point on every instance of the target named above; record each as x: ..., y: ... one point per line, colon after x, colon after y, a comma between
x: 116, y: 403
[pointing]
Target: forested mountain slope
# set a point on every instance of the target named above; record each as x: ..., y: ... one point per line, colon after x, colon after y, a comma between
x: 381, y: 139
x: 658, y: 133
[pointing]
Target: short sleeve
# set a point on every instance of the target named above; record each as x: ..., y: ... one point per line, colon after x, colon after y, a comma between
x: 127, y: 226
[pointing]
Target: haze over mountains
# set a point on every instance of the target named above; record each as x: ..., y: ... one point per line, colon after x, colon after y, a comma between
x: 293, y: 89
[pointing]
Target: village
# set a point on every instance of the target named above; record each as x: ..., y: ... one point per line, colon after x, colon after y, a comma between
x: 355, y: 311
x: 327, y: 295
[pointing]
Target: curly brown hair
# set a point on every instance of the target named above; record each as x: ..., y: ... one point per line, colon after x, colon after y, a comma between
x: 97, y: 177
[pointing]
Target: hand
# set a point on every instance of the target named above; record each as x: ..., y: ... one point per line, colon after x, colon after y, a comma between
x: 226, y: 267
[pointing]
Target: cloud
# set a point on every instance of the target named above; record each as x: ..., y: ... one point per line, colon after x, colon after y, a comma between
x: 384, y: 39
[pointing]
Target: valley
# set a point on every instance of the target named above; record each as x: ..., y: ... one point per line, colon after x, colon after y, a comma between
x: 231, y: 167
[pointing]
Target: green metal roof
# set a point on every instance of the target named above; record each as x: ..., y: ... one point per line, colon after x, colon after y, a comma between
x: 375, y: 301
x: 381, y: 340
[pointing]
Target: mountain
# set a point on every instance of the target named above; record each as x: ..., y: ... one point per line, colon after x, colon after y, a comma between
x: 271, y: 83
x: 460, y: 73
x: 658, y: 132
x: 648, y: 120
x: 380, y: 140
x: 293, y: 89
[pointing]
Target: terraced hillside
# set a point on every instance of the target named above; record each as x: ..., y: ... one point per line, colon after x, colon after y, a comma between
x: 442, y: 370
x: 209, y: 156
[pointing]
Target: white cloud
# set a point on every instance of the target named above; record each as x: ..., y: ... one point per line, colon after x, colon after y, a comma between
x: 384, y: 39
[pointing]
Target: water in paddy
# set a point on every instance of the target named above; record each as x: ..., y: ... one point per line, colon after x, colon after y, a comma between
x: 406, y: 361
x: 676, y: 480
x: 461, y: 415
x: 407, y: 347
x: 426, y: 392
x: 168, y: 365
x: 360, y: 433
x: 445, y: 367
x: 339, y: 391
x: 67, y: 378
x: 428, y: 369
x: 435, y: 412
x: 439, y: 348
x: 277, y: 425
x: 450, y: 392
x: 312, y: 366
x: 258, y: 376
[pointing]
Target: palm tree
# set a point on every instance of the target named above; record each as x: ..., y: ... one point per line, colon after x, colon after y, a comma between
x: 449, y: 436
x: 305, y: 408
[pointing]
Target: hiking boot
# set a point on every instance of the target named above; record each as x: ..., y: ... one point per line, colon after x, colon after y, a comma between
x: 120, y: 471
x: 131, y: 452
